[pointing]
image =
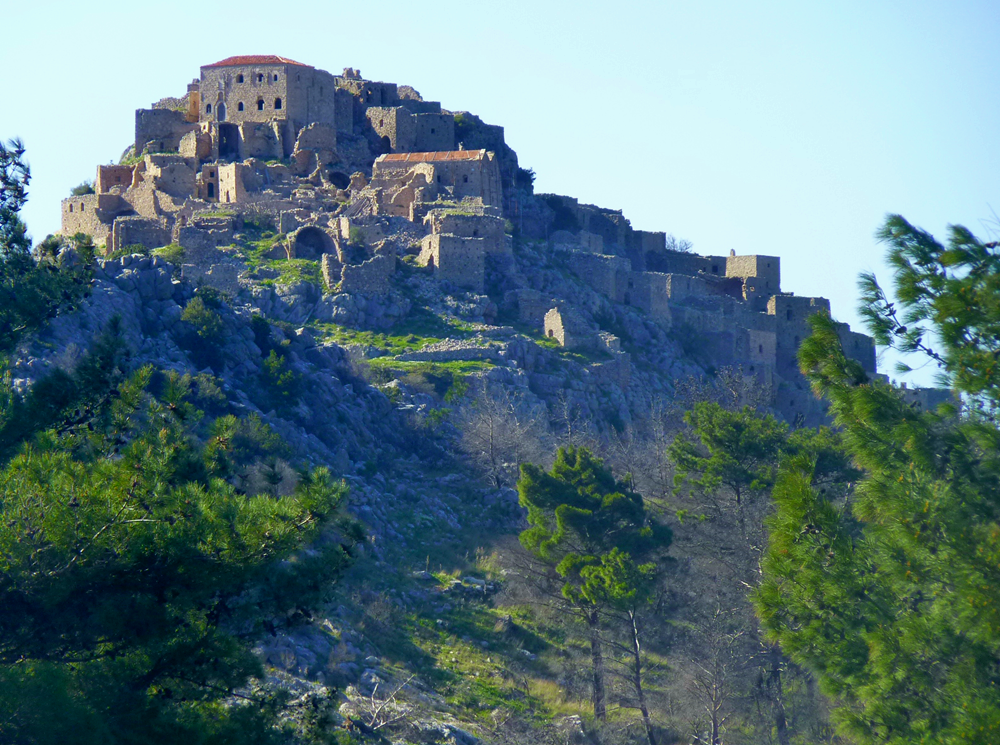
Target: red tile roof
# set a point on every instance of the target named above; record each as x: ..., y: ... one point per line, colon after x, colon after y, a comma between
x: 425, y: 157
x: 256, y: 59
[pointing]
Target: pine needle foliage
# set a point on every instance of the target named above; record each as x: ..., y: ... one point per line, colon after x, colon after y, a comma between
x: 885, y: 588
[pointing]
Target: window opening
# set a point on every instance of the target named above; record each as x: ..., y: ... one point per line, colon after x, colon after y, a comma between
x: 208, y: 108
x: 260, y: 104
x: 239, y: 78
x: 239, y: 107
x: 260, y: 78
x: 277, y: 103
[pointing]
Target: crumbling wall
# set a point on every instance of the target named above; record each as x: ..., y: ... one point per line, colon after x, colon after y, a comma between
x: 231, y: 187
x: 396, y: 125
x: 109, y: 177
x: 171, y: 174
x: 766, y: 270
x: 458, y: 260
x: 142, y: 231
x: 160, y: 130
x: 677, y: 262
x: 372, y: 277
x: 488, y: 227
x: 607, y: 275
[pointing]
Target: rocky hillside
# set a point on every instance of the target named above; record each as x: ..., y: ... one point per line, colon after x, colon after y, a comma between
x: 425, y: 395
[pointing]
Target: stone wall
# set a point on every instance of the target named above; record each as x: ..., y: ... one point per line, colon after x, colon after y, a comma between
x: 396, y: 125
x: 860, y: 347
x: 231, y: 187
x: 765, y: 269
x: 244, y: 93
x: 370, y: 277
x: 791, y: 315
x: 160, y: 130
x: 142, y: 231
x: 650, y: 291
x: 170, y: 174
x: 460, y: 261
x: 487, y: 227
x: 435, y: 132
x: 607, y: 275
x: 92, y: 214
x: 109, y: 177
x: 456, y: 175
x: 567, y: 327
x: 677, y: 262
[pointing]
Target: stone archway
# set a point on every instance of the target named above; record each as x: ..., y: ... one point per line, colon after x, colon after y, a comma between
x: 310, y: 243
x: 339, y: 179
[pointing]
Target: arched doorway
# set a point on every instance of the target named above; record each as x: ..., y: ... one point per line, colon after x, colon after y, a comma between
x: 222, y: 111
x: 312, y: 243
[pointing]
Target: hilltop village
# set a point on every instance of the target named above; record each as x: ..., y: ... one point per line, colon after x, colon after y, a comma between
x: 364, y: 177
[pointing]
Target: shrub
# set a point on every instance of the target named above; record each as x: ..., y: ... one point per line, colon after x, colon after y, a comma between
x: 132, y: 248
x: 174, y: 253
x: 207, y: 323
x: 282, y: 385
x: 84, y: 187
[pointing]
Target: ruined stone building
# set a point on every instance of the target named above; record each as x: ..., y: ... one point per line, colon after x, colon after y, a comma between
x: 356, y: 173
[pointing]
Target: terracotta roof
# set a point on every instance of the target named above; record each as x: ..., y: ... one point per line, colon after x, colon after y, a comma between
x: 255, y: 59
x: 426, y: 157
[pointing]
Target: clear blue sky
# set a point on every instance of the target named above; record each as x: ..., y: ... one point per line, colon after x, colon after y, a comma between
x: 784, y: 128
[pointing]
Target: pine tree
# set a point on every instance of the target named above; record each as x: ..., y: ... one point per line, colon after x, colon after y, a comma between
x: 886, y: 590
x: 579, y: 516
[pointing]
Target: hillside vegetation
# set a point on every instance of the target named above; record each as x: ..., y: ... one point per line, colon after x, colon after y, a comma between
x: 223, y: 526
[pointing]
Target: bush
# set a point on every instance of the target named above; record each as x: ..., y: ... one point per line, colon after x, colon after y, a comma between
x: 174, y: 253
x: 132, y: 248
x: 282, y: 385
x: 207, y: 323
x: 85, y: 187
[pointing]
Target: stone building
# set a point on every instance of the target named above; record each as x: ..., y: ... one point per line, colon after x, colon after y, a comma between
x: 400, y: 180
x: 569, y: 328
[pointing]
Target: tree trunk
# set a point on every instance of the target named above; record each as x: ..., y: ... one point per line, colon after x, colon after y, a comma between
x: 637, y: 680
x: 780, y: 721
x: 597, y: 656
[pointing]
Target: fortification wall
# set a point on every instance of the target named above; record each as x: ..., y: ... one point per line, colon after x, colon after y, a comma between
x: 860, y: 347
x: 608, y: 275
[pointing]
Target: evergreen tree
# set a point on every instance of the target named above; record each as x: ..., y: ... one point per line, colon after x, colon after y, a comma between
x: 30, y: 291
x: 579, y: 514
x: 887, y: 591
x: 135, y: 572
